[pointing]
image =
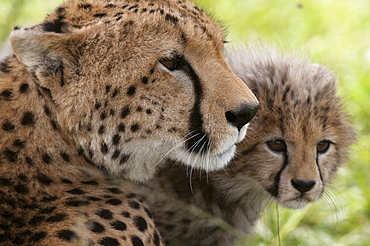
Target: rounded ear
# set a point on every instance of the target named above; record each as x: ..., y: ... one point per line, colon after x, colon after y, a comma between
x: 45, y: 54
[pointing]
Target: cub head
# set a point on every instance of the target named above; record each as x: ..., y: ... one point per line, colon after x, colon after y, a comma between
x: 132, y: 82
x: 300, y: 136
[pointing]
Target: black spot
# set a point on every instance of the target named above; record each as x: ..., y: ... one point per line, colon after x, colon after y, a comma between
x: 105, y: 214
x: 116, y: 138
x: 6, y: 94
x: 49, y: 199
x: 10, y: 155
x: 7, y: 126
x: 23, y: 88
x: 76, y: 191
x: 54, y: 124
x: 115, y: 190
x: 36, y: 220
x: 92, y: 198
x: 108, y: 241
x: 103, y: 115
x: 125, y: 112
x: 85, y: 6
x: 147, y: 211
x: 112, y: 112
x: 29, y: 160
x: 4, y: 66
x: 107, y: 88
x: 133, y: 7
x: 65, y: 156
x: 124, y: 159
x: 131, y: 195
x: 136, y: 241
x: 134, y: 204
x: 28, y: 119
x: 21, y: 189
x: 90, y: 182
x: 95, y: 227
x: 135, y: 127
x: 156, y: 239
x: 97, y: 105
x: 145, y: 80
x: 19, y: 143
x: 119, y: 225
x: 67, y: 181
x: 126, y: 214
x: 114, y: 202
x: 104, y: 148
x: 140, y: 223
x: 100, y: 15
x: 44, y: 179
x: 58, y: 217
x: 116, y: 154
x: 115, y: 93
x: 121, y: 127
x: 172, y: 19
x: 101, y: 129
x: 77, y: 203
x: 139, y: 109
x: 46, y: 158
x: 109, y: 6
x: 149, y: 111
x: 131, y: 91
x: 37, y: 236
x: 54, y: 26
x: 67, y: 235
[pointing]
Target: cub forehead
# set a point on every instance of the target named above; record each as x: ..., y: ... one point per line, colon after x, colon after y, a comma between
x: 179, y: 15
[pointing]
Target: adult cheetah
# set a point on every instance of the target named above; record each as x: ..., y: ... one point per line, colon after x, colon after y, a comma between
x: 102, y: 91
x: 294, y: 145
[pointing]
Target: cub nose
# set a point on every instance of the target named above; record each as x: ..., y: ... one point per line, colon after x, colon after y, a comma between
x: 303, y: 186
x: 242, y: 115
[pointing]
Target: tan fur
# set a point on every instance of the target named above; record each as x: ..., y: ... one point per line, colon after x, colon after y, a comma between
x: 87, y: 96
x: 298, y: 106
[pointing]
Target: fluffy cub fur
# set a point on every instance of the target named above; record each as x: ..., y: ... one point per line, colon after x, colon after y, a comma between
x: 294, y: 145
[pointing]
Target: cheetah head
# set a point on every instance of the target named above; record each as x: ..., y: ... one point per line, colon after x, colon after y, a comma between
x: 300, y: 136
x: 133, y: 82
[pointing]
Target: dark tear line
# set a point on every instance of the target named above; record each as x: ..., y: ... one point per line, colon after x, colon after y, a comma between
x: 198, y: 138
x: 274, y: 190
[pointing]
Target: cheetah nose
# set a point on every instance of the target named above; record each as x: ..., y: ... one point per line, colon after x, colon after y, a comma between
x: 303, y: 186
x: 242, y: 115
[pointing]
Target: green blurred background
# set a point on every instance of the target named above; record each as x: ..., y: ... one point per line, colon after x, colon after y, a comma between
x: 331, y: 32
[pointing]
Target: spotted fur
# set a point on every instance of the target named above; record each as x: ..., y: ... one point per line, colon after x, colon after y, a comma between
x: 294, y: 145
x: 102, y: 91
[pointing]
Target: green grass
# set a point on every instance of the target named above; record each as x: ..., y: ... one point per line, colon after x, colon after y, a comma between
x: 333, y: 33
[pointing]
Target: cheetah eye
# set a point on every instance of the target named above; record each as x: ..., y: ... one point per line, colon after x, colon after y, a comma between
x: 277, y: 145
x: 323, y: 146
x: 176, y: 63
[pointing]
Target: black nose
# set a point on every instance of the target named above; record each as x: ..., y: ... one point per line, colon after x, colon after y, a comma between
x: 303, y: 186
x: 242, y: 115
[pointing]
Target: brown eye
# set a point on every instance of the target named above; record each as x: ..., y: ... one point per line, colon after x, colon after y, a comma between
x: 277, y: 145
x: 169, y: 64
x: 323, y: 146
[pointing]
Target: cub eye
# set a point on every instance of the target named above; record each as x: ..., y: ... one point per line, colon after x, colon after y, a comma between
x: 174, y: 63
x: 277, y: 145
x: 323, y: 146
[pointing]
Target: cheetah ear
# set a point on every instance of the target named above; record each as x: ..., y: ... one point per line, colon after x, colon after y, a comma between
x: 45, y: 54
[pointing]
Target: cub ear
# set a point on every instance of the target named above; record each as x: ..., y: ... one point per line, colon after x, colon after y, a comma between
x: 45, y: 54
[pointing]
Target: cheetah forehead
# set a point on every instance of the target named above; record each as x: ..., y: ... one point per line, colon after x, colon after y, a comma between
x: 73, y: 16
x: 285, y: 77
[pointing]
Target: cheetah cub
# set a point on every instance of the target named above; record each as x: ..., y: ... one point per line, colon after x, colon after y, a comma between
x: 103, y: 90
x: 296, y: 142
